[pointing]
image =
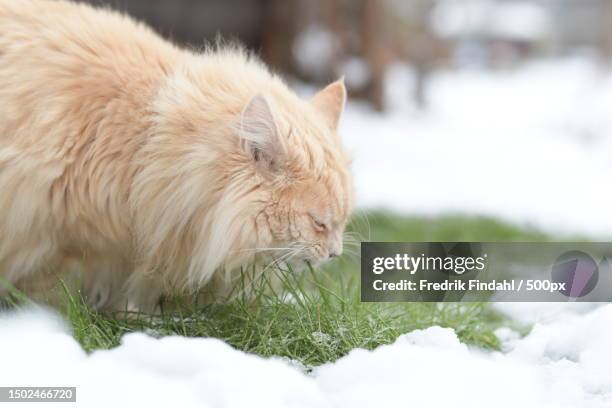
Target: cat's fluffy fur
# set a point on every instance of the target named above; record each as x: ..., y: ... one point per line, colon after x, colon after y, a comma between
x: 138, y: 169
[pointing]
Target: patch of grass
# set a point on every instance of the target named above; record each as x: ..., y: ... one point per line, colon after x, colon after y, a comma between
x: 309, y: 321
x: 316, y: 316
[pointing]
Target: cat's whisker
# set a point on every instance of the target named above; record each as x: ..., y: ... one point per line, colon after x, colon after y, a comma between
x: 350, y: 251
x: 279, y: 259
x: 352, y: 256
x: 283, y: 257
x: 353, y: 235
x: 264, y: 249
x: 362, y: 218
x: 275, y: 262
x: 304, y: 243
x: 356, y: 246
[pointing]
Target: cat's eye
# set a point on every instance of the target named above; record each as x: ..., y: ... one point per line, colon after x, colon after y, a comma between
x: 319, y: 226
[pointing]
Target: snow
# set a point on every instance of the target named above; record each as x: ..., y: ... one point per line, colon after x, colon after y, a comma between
x: 545, y: 312
x: 516, y: 20
x: 563, y: 363
x: 533, y: 146
x: 36, y: 350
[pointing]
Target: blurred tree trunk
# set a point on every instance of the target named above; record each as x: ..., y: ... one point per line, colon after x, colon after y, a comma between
x: 607, y: 29
x: 279, y: 31
x: 372, y: 40
x: 423, y: 50
x: 423, y: 59
x: 332, y: 13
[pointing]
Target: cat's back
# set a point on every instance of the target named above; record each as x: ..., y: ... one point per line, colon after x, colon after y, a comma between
x: 62, y: 35
x: 75, y: 82
x: 61, y: 61
x: 65, y: 35
x: 52, y: 21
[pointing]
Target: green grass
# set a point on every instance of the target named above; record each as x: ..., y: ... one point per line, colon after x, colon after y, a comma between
x: 316, y: 317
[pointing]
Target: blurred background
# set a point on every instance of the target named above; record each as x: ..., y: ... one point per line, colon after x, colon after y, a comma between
x: 487, y: 107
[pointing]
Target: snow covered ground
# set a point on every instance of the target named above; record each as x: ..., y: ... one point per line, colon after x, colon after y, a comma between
x: 562, y: 363
x: 532, y: 145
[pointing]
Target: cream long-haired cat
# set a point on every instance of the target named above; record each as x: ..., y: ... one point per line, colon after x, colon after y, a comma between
x: 141, y: 169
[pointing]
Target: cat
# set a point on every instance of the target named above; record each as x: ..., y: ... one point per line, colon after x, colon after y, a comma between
x: 136, y: 169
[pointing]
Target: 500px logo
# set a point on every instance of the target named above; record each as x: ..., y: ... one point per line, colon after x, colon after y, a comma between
x: 577, y: 273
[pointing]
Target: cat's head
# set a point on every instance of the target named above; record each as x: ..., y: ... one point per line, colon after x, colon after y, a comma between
x: 238, y: 168
x: 301, y: 172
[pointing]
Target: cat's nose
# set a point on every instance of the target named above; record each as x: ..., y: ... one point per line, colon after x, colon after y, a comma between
x: 335, y: 250
x: 334, y: 246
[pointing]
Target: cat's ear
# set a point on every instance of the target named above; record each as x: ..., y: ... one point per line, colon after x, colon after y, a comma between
x: 259, y: 134
x: 330, y: 102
